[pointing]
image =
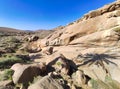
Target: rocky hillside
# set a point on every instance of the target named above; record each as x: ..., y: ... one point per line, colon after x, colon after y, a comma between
x: 104, y: 20
x: 82, y: 55
x: 92, y: 43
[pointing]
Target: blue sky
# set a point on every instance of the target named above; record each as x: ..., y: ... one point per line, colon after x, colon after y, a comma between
x: 44, y: 14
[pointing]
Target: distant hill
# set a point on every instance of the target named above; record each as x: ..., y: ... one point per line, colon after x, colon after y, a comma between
x: 6, y: 29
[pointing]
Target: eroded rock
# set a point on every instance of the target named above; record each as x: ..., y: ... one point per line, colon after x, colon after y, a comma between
x: 26, y: 73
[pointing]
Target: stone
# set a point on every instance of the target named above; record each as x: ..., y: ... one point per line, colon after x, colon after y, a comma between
x: 32, y: 38
x: 112, y: 8
x: 62, y: 65
x: 33, y: 47
x: 79, y: 78
x: 115, y: 13
x: 26, y: 73
x: 47, y: 50
x: 46, y: 82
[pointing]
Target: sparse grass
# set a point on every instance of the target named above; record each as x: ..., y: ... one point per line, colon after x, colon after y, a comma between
x: 12, y: 39
x: 8, y: 60
x: 7, y: 75
x: 109, y: 83
x: 94, y: 84
x: 10, y: 44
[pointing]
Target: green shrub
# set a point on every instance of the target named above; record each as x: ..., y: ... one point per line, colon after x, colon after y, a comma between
x: 59, y: 63
x: 7, y: 75
x: 8, y: 60
x: 12, y: 39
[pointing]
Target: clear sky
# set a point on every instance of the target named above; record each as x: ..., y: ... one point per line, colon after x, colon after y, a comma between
x: 44, y: 14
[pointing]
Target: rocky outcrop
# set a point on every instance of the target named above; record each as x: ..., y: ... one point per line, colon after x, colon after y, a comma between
x: 95, y: 22
x: 32, y: 38
x: 106, y: 37
x: 107, y: 8
x: 31, y: 47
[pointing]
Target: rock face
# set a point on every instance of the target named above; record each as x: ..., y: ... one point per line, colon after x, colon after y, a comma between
x: 95, y: 25
x: 26, y: 73
x: 102, y: 38
x: 103, y: 10
x: 46, y: 82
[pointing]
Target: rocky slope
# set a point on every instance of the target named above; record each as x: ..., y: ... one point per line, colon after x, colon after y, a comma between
x: 92, y: 43
x: 82, y: 55
x: 93, y: 23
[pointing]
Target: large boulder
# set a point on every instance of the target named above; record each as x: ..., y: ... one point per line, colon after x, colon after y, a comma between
x: 26, y: 73
x: 32, y: 38
x: 33, y: 47
x: 63, y: 65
